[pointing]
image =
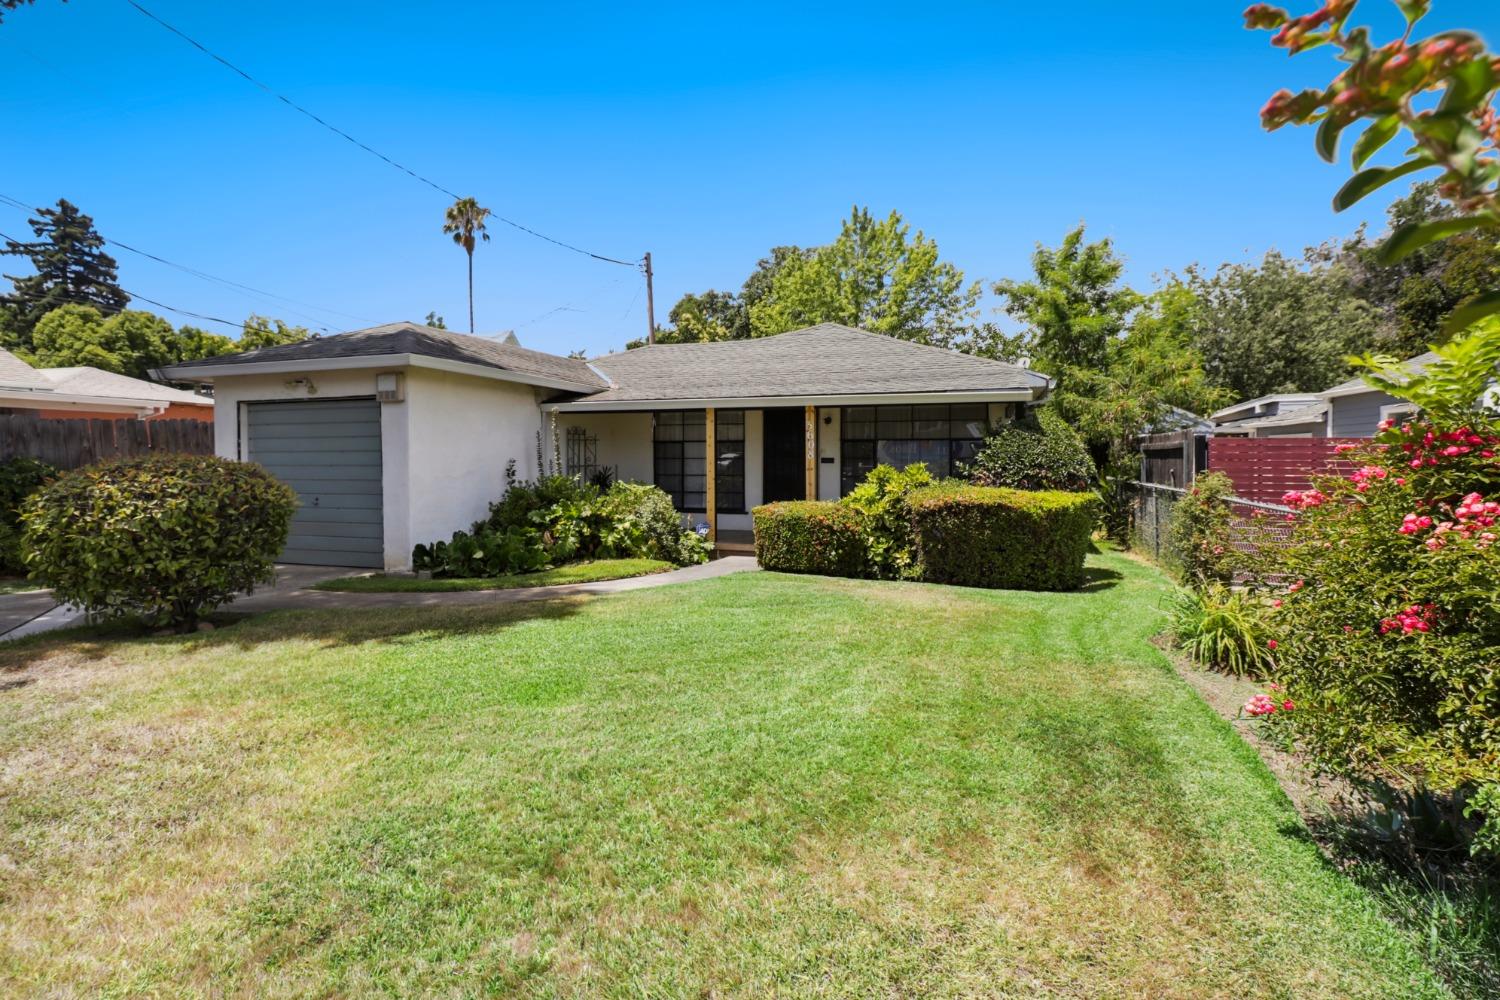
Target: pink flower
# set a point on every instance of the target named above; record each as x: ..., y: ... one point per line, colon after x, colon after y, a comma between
x: 1288, y: 705
x: 1270, y: 643
x: 1276, y: 603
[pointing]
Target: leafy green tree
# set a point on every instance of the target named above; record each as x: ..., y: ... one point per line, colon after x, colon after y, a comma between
x: 74, y: 335
x: 71, y: 268
x: 1281, y: 326
x: 435, y: 321
x: 193, y: 344
x: 876, y: 275
x: 464, y: 221
x: 261, y: 332
x: 699, y: 317
x: 1074, y: 307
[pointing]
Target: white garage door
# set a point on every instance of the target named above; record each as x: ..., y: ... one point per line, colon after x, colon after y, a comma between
x: 329, y: 452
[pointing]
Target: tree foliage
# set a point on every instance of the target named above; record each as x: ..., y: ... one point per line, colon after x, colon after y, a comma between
x: 1280, y: 326
x: 700, y: 317
x: 1122, y: 360
x: 464, y: 221
x: 71, y: 269
x: 878, y: 276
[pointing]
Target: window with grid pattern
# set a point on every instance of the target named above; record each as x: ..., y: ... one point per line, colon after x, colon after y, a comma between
x: 679, y: 444
x: 940, y: 435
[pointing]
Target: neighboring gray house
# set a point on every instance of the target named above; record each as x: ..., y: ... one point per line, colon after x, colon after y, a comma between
x: 1355, y: 408
x: 1287, y: 414
x: 400, y: 434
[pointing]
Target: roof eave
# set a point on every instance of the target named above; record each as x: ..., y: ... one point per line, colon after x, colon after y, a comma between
x: 190, y: 372
x: 760, y: 402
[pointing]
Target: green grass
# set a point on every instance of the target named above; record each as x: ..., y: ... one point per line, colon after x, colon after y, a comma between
x: 756, y: 785
x: 581, y: 572
x: 17, y: 585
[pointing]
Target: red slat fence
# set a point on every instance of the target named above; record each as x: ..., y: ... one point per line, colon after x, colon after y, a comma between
x: 70, y: 444
x: 1263, y: 469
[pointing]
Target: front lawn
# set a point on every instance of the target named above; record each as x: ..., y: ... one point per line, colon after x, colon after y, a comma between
x: 750, y: 786
x: 579, y: 572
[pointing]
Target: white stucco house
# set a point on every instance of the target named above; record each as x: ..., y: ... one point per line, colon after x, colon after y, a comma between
x: 400, y: 434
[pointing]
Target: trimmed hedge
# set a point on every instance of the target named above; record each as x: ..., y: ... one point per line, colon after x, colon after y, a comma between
x: 984, y: 536
x: 1040, y: 452
x: 811, y: 536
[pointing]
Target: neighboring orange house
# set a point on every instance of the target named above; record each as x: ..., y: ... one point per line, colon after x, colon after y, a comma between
x: 92, y: 393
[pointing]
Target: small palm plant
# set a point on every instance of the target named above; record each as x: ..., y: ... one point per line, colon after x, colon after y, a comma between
x: 464, y: 221
x: 1223, y: 629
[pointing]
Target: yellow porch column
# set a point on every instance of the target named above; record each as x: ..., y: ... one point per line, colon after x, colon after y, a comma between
x: 710, y: 461
x: 812, y: 453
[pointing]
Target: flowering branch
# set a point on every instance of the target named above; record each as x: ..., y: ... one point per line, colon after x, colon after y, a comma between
x: 1460, y: 135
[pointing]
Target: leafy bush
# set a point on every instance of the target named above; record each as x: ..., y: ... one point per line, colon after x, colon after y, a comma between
x: 1223, y: 629
x: 1199, y: 537
x: 663, y: 536
x: 1040, y: 452
x: 19, y: 478
x: 166, y: 537
x: 979, y: 536
x: 881, y: 500
x: 558, y: 520
x: 811, y: 536
x: 1388, y: 624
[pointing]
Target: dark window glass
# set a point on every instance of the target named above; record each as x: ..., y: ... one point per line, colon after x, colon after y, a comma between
x: 729, y: 461
x: 679, y: 450
x: 938, y: 435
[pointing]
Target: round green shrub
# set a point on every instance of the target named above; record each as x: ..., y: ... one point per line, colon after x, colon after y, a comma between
x: 1040, y: 452
x: 811, y: 536
x: 166, y: 537
x: 19, y: 478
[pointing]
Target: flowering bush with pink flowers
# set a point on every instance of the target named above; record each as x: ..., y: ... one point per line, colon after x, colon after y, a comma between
x: 1385, y: 608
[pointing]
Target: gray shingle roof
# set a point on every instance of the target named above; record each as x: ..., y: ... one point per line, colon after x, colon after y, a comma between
x: 84, y: 381
x: 1314, y: 414
x: 413, y: 338
x: 17, y: 374
x: 824, y: 360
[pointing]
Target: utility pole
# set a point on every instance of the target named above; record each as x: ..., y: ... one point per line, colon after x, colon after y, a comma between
x: 650, y: 306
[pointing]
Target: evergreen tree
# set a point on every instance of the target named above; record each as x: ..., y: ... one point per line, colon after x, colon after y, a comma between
x: 71, y: 269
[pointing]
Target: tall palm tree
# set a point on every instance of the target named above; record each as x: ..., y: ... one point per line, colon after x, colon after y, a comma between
x: 465, y: 220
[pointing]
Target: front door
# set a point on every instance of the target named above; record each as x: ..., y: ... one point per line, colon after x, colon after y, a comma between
x: 784, y: 460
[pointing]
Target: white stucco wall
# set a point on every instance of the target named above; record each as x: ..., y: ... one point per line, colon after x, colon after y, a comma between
x: 829, y: 473
x: 624, y: 441
x: 462, y: 432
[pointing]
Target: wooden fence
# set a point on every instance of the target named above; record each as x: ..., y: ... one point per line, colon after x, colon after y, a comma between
x: 1263, y: 469
x: 69, y: 444
x: 1173, y: 459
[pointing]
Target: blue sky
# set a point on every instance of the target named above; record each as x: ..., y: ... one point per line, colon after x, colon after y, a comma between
x: 704, y: 133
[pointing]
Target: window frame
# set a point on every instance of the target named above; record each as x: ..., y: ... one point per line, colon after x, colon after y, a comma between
x: 901, y: 422
x: 668, y: 452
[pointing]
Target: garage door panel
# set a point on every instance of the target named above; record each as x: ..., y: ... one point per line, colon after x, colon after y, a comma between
x: 328, y: 451
x: 345, y: 515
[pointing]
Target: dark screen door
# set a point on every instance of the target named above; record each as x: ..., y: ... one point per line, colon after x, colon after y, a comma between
x: 785, y: 471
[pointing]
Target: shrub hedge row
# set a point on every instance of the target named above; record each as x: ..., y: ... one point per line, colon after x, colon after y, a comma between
x: 988, y: 536
x: 973, y: 536
x: 811, y: 536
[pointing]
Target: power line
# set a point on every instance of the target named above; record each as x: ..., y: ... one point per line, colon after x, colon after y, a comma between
x: 246, y: 327
x: 204, y: 275
x: 368, y: 149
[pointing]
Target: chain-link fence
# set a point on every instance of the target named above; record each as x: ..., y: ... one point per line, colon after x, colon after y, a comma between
x: 1256, y: 525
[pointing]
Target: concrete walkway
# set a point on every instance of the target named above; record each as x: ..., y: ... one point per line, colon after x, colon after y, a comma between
x: 28, y: 614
